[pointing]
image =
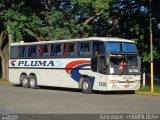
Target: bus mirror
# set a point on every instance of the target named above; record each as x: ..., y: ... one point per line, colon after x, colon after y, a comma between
x: 107, y: 60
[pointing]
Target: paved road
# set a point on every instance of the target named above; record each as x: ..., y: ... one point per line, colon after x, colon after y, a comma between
x: 18, y: 100
x: 14, y: 99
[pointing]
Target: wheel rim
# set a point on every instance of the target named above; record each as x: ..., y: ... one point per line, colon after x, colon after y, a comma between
x: 85, y: 85
x: 25, y: 81
x: 32, y: 82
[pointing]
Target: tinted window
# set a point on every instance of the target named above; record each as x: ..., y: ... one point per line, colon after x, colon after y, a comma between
x: 56, y: 50
x: 23, y: 51
x: 121, y: 47
x: 32, y: 51
x: 98, y: 48
x: 44, y: 50
x: 13, y: 52
x: 129, y: 47
x: 84, y: 49
x: 69, y: 49
x: 114, y: 47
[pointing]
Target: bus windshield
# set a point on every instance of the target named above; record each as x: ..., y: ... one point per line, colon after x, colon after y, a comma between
x: 124, y: 64
x: 126, y: 47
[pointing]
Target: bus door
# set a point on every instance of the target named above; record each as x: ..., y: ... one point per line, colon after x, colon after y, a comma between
x: 100, y: 64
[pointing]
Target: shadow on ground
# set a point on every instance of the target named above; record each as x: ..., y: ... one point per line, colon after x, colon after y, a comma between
x: 78, y: 90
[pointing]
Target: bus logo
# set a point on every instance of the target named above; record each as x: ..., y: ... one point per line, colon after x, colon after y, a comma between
x: 32, y: 63
x: 36, y: 63
x: 13, y: 62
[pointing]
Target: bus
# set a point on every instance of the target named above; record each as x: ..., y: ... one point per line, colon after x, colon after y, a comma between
x: 95, y: 63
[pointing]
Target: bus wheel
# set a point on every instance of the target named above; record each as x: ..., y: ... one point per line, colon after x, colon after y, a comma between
x: 25, y: 81
x: 86, y: 86
x: 33, y: 82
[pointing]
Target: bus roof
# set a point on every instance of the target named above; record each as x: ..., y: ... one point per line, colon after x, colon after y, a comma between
x: 74, y: 40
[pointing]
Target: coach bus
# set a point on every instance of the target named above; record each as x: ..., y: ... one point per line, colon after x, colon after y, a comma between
x: 95, y: 63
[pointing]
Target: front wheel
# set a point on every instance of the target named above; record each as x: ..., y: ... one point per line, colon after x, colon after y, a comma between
x: 86, y: 86
x: 33, y: 82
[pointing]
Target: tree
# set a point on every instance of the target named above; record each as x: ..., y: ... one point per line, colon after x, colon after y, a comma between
x: 3, y: 41
x: 15, y: 25
x: 130, y: 19
x: 36, y: 20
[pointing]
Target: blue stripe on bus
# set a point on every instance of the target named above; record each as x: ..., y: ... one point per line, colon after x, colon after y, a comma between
x: 76, y: 75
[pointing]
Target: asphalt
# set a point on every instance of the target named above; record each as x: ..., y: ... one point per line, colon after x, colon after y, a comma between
x: 49, y: 102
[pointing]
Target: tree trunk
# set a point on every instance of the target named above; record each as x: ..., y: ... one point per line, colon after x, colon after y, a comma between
x: 9, y: 34
x: 4, y: 66
x: 4, y: 52
x: 88, y: 20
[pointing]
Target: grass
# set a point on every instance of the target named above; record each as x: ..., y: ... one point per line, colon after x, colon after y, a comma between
x: 148, y: 93
x: 146, y: 90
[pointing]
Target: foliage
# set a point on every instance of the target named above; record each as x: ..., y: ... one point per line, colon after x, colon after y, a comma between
x: 147, y: 88
x: 157, y: 88
x: 132, y: 21
x: 36, y: 20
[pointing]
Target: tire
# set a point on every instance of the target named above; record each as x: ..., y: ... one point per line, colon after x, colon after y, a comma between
x: 86, y: 86
x: 33, y: 82
x: 25, y: 81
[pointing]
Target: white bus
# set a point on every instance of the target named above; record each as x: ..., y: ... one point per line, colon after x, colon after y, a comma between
x: 96, y: 63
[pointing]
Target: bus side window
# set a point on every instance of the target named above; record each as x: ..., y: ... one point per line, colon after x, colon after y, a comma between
x: 40, y: 50
x: 13, y: 52
x: 86, y: 49
x: 22, y: 51
x: 29, y: 51
x: 32, y: 51
x: 69, y: 49
x: 58, y: 49
x: 72, y: 49
x: 83, y: 49
x: 98, y: 48
x: 66, y: 49
x: 52, y: 50
x: 80, y: 49
x: 45, y: 51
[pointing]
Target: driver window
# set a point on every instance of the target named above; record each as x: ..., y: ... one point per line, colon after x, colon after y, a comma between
x: 98, y: 48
